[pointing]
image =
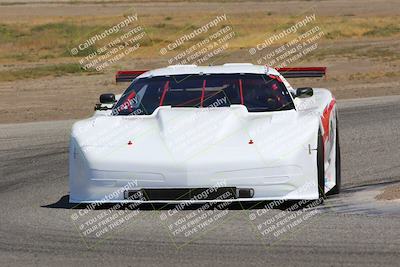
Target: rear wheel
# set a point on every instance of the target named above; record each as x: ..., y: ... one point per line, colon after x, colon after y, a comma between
x: 321, y: 167
x: 338, y: 178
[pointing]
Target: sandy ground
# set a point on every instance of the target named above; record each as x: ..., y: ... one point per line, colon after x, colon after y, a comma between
x: 59, y: 8
x: 73, y: 96
x: 390, y: 193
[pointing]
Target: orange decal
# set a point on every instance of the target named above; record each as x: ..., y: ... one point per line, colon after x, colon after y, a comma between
x: 325, y: 119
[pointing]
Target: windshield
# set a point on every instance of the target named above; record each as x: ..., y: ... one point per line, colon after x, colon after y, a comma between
x: 258, y: 92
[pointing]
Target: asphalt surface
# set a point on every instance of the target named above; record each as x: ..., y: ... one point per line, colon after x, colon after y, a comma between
x: 39, y: 227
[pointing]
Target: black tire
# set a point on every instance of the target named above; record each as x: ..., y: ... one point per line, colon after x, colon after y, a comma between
x: 336, y: 189
x: 321, y: 167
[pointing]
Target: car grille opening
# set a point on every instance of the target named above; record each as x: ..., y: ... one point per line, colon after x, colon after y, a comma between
x: 196, y: 194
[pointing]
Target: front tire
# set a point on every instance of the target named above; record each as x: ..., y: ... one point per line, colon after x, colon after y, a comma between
x: 338, y: 179
x: 321, y: 167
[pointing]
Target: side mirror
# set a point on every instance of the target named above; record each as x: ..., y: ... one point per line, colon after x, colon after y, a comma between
x: 107, y: 98
x: 304, y: 92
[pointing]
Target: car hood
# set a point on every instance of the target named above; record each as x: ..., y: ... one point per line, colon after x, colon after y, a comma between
x: 189, y: 137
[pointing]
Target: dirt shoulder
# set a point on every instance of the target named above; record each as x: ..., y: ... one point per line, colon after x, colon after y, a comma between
x: 390, y: 193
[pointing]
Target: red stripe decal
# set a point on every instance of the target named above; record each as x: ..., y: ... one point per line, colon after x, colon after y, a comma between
x: 202, y: 93
x: 164, y: 93
x: 241, y: 92
x: 325, y: 119
x: 275, y: 77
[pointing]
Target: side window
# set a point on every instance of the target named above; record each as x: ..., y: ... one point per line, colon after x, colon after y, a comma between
x: 263, y: 93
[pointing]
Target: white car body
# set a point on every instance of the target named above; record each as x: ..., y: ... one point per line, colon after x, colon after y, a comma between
x: 272, y: 153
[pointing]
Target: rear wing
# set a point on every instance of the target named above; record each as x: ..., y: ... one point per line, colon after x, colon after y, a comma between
x: 302, y: 72
x: 128, y: 75
x: 297, y: 72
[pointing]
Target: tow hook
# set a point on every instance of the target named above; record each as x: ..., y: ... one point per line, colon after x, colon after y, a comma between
x: 309, y: 149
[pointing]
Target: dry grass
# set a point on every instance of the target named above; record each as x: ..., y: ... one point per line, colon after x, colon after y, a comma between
x: 41, y: 71
x: 44, y: 40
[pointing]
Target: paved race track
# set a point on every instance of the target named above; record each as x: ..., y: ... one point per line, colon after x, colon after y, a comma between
x: 37, y: 225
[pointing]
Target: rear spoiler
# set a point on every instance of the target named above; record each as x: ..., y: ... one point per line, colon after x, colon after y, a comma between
x: 128, y: 75
x: 302, y: 72
x: 297, y: 72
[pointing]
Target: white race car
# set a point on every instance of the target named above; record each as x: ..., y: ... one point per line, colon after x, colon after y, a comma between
x: 235, y: 132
